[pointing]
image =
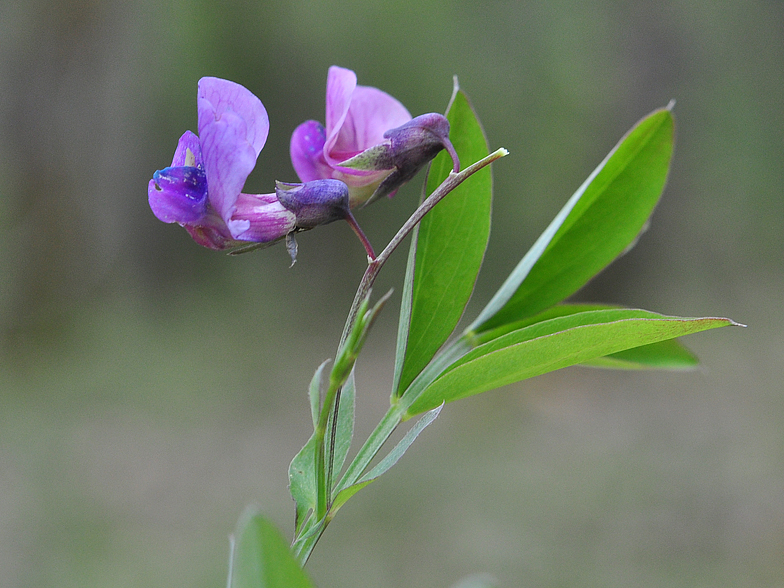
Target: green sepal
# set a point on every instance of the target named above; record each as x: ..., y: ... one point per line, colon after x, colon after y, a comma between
x: 376, y: 158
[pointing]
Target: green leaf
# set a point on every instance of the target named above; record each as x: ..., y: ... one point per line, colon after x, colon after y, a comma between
x: 261, y: 557
x: 599, y: 222
x: 314, y: 392
x: 387, y: 462
x: 302, y: 482
x: 553, y: 344
x: 397, y: 452
x: 556, y: 311
x: 664, y: 355
x: 344, y: 431
x: 449, y: 243
x: 343, y: 496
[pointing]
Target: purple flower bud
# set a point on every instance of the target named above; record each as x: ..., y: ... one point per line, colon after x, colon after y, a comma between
x: 411, y: 146
x: 314, y: 203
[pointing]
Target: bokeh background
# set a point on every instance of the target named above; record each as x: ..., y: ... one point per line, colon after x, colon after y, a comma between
x: 150, y: 389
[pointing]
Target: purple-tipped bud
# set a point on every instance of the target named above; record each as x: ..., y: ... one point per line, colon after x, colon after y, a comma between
x: 410, y: 147
x: 314, y: 203
x: 413, y: 145
x: 420, y: 140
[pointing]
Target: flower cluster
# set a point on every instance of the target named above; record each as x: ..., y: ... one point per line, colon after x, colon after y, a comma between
x: 369, y: 148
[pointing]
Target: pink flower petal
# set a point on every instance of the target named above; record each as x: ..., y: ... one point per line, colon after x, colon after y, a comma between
x: 371, y: 114
x: 267, y: 219
x: 216, y: 96
x: 307, y: 152
x: 341, y: 83
x: 233, y: 128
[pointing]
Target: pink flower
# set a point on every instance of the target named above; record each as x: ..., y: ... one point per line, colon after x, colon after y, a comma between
x: 202, y: 189
x: 356, y: 145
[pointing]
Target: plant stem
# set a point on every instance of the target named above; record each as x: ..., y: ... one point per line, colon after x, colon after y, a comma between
x: 312, y: 533
x: 309, y: 536
x: 352, y: 222
x: 452, y: 181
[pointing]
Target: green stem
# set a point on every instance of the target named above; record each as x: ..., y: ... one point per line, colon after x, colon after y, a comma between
x: 452, y: 181
x: 322, y: 492
x: 307, y: 540
x: 303, y: 545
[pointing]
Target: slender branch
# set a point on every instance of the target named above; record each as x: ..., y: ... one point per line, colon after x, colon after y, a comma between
x: 452, y: 181
x: 358, y: 231
x: 312, y: 532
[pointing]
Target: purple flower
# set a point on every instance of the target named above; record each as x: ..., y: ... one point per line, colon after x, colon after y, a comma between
x: 201, y: 190
x: 357, y: 118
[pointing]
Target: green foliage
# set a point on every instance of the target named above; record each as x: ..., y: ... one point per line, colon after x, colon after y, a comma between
x: 598, y: 223
x: 669, y: 354
x: 302, y: 482
x: 446, y: 250
x: 554, y: 344
x: 343, y: 428
x: 314, y: 392
x: 526, y: 330
x: 261, y: 557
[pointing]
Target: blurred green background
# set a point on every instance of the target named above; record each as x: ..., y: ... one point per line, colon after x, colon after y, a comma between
x: 150, y: 389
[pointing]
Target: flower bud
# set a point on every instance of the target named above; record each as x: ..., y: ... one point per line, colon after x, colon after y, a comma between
x: 314, y: 203
x: 410, y: 147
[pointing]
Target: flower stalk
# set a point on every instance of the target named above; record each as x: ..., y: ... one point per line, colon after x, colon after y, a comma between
x: 452, y: 181
x: 350, y: 342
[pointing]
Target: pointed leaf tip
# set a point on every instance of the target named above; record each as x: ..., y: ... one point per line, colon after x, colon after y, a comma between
x: 597, y: 224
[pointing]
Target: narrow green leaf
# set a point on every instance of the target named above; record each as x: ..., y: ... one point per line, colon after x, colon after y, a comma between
x: 302, y: 482
x: 388, y: 461
x: 553, y: 344
x: 450, y: 243
x: 599, y: 222
x: 343, y: 496
x: 344, y: 431
x: 664, y: 355
x: 556, y: 311
x: 314, y: 392
x: 397, y: 452
x: 261, y: 557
